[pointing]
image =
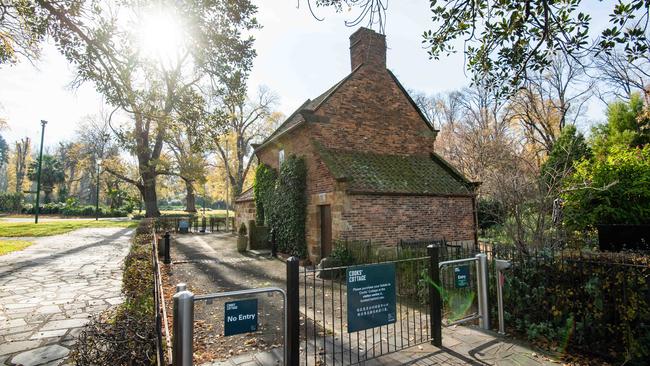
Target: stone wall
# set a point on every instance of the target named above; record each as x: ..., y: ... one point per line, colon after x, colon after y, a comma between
x: 244, y: 211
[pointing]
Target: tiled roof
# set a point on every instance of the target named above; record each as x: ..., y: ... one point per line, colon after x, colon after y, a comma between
x: 380, y: 173
x: 247, y: 195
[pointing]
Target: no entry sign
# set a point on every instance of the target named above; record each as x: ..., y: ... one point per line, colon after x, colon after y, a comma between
x: 240, y: 317
x: 371, y: 296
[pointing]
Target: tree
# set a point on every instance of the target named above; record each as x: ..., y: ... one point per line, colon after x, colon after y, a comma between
x: 51, y: 174
x: 550, y: 100
x: 106, y: 52
x: 247, y: 119
x: 569, y: 149
x: 22, y: 152
x: 187, y: 142
x: 504, y: 40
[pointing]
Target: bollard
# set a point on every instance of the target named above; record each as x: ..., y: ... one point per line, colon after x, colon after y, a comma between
x: 435, y: 302
x: 167, y: 258
x: 483, y: 309
x: 182, y: 348
x: 500, y: 265
x: 292, y: 353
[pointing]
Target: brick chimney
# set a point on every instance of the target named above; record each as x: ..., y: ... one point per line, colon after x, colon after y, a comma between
x: 368, y: 47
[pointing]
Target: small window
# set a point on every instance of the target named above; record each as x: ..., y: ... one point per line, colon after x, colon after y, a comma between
x: 281, y: 157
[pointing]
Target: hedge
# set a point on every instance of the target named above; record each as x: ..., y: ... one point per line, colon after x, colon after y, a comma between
x: 593, y: 303
x: 126, y: 335
x: 11, y: 202
x: 59, y: 208
x: 263, y: 188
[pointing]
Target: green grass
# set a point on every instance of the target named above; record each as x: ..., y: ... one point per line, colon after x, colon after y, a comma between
x: 47, y: 228
x: 8, y: 246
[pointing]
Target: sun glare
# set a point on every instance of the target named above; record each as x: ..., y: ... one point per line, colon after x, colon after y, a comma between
x: 160, y: 36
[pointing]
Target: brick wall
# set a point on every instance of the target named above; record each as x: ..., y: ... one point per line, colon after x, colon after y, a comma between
x: 387, y: 219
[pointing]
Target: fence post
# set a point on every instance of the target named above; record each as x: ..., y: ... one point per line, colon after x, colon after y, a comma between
x: 167, y: 258
x: 435, y: 302
x: 292, y: 353
x: 182, y: 349
x: 483, y: 309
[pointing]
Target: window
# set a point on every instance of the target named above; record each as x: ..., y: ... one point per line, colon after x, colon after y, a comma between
x: 281, y: 157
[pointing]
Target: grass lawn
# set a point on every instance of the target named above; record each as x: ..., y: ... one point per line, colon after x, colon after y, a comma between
x: 8, y: 246
x: 199, y: 212
x: 47, y: 228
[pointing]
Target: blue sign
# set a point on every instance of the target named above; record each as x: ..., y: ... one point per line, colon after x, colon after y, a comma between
x: 461, y: 276
x: 371, y: 296
x: 241, y: 317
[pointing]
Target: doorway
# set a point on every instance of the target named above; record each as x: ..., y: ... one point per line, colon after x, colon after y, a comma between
x: 325, y: 230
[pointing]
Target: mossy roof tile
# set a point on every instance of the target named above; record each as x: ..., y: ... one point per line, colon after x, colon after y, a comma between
x: 381, y: 173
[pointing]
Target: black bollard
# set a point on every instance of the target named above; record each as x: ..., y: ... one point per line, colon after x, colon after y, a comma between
x: 168, y: 258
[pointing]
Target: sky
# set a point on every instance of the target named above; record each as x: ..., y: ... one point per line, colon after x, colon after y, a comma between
x: 299, y: 57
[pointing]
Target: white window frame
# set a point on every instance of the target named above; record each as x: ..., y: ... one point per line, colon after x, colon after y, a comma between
x: 280, y: 157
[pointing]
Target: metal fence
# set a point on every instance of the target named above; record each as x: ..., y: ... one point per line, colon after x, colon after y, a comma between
x: 323, y: 305
x: 194, y: 224
x: 162, y: 326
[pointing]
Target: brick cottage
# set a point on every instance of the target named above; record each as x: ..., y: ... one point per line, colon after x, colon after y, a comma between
x: 372, y: 172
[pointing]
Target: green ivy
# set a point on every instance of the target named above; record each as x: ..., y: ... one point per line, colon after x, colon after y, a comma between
x: 288, y: 210
x: 263, y: 189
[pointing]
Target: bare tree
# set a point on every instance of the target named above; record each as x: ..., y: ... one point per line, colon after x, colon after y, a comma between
x: 550, y: 100
x: 623, y: 76
x: 248, y: 119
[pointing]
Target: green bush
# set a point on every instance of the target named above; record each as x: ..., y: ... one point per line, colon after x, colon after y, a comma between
x: 126, y: 335
x: 592, y: 303
x: 11, y: 202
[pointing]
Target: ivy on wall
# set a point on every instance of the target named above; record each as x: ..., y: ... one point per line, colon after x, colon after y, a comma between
x: 281, y: 203
x: 263, y: 188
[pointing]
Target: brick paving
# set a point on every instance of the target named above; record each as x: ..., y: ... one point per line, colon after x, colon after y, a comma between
x: 51, y: 289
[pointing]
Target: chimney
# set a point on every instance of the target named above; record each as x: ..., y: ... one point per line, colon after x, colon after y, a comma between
x: 369, y: 48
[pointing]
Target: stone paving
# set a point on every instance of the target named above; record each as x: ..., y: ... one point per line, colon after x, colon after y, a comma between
x: 51, y: 289
x: 460, y: 346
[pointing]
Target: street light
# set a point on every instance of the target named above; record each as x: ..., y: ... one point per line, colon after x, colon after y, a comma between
x: 99, y: 167
x: 38, y: 178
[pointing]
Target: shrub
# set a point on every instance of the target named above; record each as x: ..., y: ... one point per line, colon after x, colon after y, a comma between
x: 127, y: 334
x: 11, y: 202
x: 242, y: 230
x: 596, y: 303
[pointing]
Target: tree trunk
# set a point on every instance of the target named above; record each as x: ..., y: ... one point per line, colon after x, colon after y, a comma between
x: 149, y: 195
x: 190, y: 198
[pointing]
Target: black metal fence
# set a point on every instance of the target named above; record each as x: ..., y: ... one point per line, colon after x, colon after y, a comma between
x: 323, y: 305
x: 193, y: 224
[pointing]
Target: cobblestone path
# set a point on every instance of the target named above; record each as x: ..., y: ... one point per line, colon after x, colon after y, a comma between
x: 51, y: 289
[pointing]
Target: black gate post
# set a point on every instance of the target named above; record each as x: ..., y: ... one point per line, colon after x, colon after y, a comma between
x: 292, y: 353
x: 167, y: 258
x: 435, y: 301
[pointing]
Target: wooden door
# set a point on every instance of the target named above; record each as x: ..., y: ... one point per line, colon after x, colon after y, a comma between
x: 325, y: 230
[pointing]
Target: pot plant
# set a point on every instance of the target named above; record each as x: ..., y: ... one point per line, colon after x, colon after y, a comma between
x: 242, y: 239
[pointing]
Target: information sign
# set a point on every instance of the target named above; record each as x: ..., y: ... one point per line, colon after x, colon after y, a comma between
x: 461, y: 276
x: 240, y: 317
x: 371, y: 296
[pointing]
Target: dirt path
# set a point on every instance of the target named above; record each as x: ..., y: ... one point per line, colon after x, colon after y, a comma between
x: 49, y: 290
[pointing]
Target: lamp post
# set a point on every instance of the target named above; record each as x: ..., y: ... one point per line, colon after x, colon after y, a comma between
x: 38, y: 176
x: 99, y: 167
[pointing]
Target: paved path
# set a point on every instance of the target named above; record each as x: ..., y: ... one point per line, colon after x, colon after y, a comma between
x: 51, y: 289
x: 210, y: 263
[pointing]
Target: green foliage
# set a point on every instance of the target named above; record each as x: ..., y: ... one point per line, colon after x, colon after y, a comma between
x: 263, y: 188
x: 569, y: 148
x: 72, y: 209
x: 51, y: 174
x: 127, y: 336
x: 341, y: 255
x: 629, y: 116
x: 490, y: 213
x: 288, y: 208
x: 242, y: 229
x: 618, y: 190
x: 11, y: 202
x: 4, y: 151
x: 595, y: 303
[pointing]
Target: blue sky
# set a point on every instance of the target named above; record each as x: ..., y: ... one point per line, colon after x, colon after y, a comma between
x: 298, y: 58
